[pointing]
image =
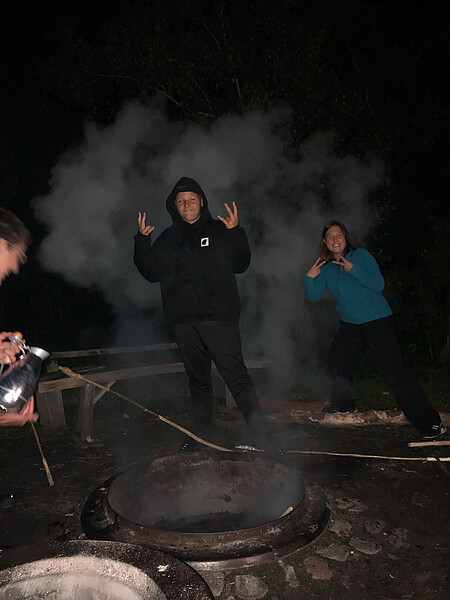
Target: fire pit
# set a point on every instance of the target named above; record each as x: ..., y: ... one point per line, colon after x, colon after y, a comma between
x: 211, y: 510
x: 87, y: 570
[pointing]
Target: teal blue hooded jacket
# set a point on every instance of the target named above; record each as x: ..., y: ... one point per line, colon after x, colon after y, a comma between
x: 359, y: 292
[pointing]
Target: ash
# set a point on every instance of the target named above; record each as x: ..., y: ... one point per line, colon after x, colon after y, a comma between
x: 78, y: 578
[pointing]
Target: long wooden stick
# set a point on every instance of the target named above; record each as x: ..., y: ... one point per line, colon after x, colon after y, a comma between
x: 432, y: 443
x: 71, y: 373
x: 44, y: 461
x: 379, y: 456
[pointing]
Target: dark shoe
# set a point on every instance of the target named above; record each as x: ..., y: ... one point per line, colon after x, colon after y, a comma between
x: 332, y: 411
x: 434, y: 431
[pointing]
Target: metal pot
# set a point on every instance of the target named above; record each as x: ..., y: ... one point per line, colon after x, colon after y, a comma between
x: 19, y: 382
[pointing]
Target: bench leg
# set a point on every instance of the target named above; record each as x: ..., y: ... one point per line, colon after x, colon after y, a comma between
x: 85, y: 426
x: 51, y: 410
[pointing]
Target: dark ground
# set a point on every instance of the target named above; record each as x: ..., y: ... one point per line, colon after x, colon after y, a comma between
x: 388, y: 536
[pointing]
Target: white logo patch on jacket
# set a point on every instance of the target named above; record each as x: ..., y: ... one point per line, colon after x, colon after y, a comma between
x: 204, y: 242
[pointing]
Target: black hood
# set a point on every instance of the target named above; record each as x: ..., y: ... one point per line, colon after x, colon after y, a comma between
x: 185, y: 184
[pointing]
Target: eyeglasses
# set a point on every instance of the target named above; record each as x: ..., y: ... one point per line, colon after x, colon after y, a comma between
x: 23, y: 256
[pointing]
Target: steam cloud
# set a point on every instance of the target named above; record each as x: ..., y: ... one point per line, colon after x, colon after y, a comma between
x: 98, y: 188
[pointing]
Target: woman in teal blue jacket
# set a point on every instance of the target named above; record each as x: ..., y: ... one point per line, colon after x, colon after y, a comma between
x: 353, y: 277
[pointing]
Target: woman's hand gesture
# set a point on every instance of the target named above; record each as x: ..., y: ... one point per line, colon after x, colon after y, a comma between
x: 143, y: 228
x: 343, y: 262
x: 315, y: 269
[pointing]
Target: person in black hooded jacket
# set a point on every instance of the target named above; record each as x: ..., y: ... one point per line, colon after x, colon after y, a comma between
x: 195, y: 261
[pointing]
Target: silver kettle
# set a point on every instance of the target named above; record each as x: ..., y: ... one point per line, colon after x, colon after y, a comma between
x: 19, y: 382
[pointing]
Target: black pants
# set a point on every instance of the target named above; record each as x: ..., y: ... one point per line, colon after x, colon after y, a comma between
x: 380, y: 335
x: 220, y: 341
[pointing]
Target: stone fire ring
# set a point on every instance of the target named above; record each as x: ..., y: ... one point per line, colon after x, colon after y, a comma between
x: 97, y: 569
x: 132, y: 505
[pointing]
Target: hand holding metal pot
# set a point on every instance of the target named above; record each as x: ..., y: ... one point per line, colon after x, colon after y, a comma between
x: 17, y: 419
x: 18, y: 383
x: 10, y: 345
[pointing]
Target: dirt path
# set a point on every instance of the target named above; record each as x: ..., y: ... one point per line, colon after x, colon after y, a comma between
x: 388, y: 534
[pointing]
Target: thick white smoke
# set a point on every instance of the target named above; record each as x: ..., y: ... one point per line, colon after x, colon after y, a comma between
x: 98, y: 188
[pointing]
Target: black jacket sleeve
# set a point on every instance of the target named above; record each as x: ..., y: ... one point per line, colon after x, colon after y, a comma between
x: 237, y: 248
x: 146, y: 257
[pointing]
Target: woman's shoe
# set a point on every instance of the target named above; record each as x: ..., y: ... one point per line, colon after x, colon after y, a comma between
x: 434, y: 431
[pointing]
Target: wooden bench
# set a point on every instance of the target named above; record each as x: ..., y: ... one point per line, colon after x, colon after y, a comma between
x: 49, y: 392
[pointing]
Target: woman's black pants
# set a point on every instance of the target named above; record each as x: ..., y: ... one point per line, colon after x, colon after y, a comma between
x: 348, y: 346
x: 220, y: 341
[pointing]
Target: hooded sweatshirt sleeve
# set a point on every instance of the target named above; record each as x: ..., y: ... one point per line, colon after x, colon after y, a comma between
x: 237, y: 248
x: 146, y: 257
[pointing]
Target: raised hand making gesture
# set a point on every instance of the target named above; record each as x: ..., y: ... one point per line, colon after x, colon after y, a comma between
x: 143, y: 228
x: 315, y: 269
x: 232, y: 219
x: 343, y: 262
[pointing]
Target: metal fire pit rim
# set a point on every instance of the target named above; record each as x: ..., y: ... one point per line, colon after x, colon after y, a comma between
x: 319, y: 519
x: 312, y: 523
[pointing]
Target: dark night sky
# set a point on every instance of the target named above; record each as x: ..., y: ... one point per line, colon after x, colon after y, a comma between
x: 36, y: 131
x: 33, y: 136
